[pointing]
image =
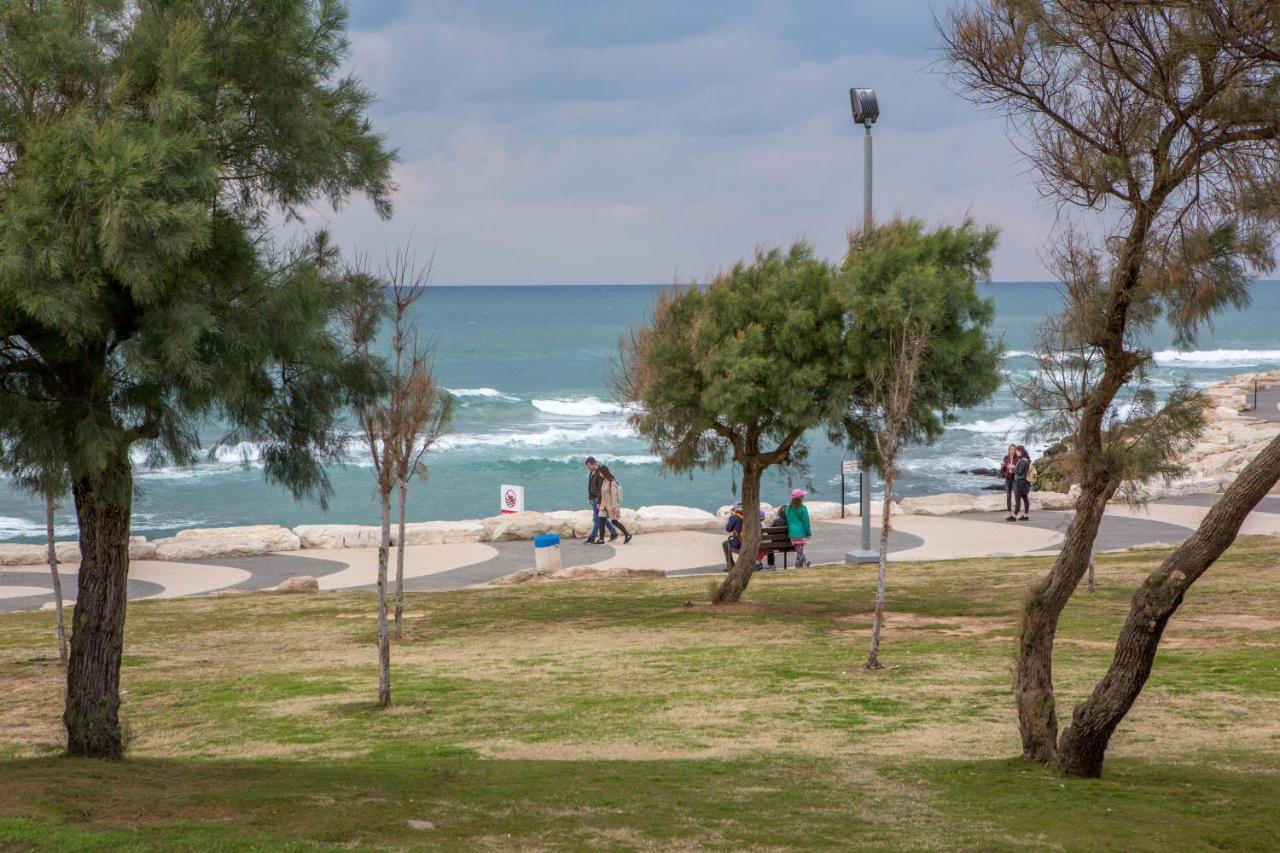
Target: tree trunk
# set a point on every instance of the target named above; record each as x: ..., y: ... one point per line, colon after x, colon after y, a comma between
x: 57, y: 581
x: 1084, y: 743
x: 97, y: 639
x: 384, y: 642
x: 740, y: 575
x: 1037, y: 713
x: 1093, y: 584
x: 873, y: 659
x: 399, y: 631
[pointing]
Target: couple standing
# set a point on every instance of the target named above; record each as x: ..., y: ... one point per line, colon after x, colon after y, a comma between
x: 1019, y: 475
x: 605, y: 496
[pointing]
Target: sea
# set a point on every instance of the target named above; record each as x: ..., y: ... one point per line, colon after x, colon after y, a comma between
x: 529, y: 369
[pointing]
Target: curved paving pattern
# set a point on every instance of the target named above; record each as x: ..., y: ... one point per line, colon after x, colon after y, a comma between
x: 458, y: 566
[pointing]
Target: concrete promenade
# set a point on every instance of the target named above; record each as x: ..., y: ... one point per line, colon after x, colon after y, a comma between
x: 460, y: 566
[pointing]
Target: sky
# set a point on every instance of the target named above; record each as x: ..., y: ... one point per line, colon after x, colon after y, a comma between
x: 593, y: 141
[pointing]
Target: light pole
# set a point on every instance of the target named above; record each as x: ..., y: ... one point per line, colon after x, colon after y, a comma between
x: 866, y: 109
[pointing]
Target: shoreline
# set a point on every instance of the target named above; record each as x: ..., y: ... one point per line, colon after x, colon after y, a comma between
x: 1233, y: 435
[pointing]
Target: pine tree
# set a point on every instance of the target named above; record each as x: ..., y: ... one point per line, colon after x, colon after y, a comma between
x: 145, y: 150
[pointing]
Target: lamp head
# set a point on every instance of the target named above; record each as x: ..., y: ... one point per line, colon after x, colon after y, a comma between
x: 865, y: 107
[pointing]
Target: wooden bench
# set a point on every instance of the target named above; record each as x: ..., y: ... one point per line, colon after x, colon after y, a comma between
x: 776, y: 540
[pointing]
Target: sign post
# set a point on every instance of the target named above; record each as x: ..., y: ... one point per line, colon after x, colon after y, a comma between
x: 511, y: 499
x: 848, y: 468
x: 863, y: 554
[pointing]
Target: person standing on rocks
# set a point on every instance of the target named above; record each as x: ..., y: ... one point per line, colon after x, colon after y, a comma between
x: 1022, y: 485
x: 611, y: 504
x: 595, y: 480
x: 1007, y: 466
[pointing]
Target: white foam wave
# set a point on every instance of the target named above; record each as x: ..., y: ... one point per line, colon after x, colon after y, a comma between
x: 585, y: 407
x: 1016, y: 353
x: 607, y: 459
x: 551, y: 437
x: 1218, y: 358
x: 483, y: 393
x: 1013, y: 425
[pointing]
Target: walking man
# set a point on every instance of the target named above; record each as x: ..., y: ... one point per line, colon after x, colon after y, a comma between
x: 599, y: 524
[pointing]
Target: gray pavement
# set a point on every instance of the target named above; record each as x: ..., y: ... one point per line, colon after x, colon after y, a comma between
x: 831, y: 541
x: 1114, y: 533
x: 1268, y: 407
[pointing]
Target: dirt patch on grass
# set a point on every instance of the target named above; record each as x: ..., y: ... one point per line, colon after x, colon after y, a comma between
x: 1227, y: 622
x: 949, y: 626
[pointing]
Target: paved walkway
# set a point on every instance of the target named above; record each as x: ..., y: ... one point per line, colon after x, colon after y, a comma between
x: 446, y: 567
x: 1268, y: 408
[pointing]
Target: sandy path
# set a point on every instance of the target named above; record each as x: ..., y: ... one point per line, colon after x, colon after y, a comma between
x: 419, y: 560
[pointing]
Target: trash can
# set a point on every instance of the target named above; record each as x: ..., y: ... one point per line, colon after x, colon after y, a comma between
x: 546, y: 552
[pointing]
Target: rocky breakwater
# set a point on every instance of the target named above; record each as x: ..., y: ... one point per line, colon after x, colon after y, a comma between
x: 1234, y: 434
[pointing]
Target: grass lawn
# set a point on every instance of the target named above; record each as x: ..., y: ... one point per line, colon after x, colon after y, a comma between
x: 631, y: 715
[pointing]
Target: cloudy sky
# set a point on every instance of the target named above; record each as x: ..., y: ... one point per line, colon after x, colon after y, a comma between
x: 593, y: 141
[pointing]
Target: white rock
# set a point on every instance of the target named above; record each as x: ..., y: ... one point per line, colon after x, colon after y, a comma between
x: 275, y: 537
x: 524, y: 526
x: 1050, y: 501
x: 948, y: 503
x: 442, y: 532
x: 338, y: 535
x: 299, y: 583
x: 656, y: 519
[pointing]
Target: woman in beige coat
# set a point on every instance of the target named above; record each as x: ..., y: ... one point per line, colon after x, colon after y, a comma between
x: 611, y: 503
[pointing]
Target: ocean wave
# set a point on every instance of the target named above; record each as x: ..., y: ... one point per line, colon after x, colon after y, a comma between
x: 550, y: 437
x: 483, y: 393
x: 584, y: 407
x: 1016, y: 353
x: 1012, y: 425
x: 606, y: 458
x: 1218, y: 358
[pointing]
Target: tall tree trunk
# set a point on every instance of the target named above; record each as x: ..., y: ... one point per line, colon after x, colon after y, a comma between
x: 873, y: 659
x: 1037, y: 712
x: 1084, y: 743
x: 1093, y: 570
x: 399, y: 631
x: 384, y: 642
x: 740, y: 575
x: 57, y: 581
x: 97, y: 638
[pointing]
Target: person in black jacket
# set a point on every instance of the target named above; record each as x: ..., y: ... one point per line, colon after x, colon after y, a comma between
x: 598, y: 524
x: 1022, y: 485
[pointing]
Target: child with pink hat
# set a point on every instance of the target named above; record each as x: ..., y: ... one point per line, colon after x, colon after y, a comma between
x: 798, y: 527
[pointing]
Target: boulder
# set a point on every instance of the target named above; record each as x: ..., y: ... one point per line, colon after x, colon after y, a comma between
x: 656, y: 519
x: 1051, y: 501
x: 248, y: 541
x: 298, y: 583
x: 22, y: 555
x: 272, y: 536
x: 141, y: 550
x: 524, y: 526
x: 441, y: 532
x: 948, y: 503
x: 338, y: 535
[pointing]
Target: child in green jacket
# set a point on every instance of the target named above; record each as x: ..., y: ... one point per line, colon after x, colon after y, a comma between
x: 798, y: 526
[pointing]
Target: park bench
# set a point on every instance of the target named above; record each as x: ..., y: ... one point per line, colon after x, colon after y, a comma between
x: 776, y: 540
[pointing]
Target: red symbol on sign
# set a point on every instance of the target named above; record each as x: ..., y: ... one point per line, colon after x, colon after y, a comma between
x: 510, y: 498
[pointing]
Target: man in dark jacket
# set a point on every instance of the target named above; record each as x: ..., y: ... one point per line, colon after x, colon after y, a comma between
x: 598, y: 525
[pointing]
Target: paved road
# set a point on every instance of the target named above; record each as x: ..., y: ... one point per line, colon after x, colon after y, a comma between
x: 1268, y: 407
x: 449, y: 567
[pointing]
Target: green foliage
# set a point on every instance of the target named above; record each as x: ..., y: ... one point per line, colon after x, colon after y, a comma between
x: 145, y: 148
x: 901, y: 275
x: 742, y: 368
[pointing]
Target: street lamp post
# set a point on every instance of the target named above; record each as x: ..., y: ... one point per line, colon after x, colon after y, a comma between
x: 866, y: 109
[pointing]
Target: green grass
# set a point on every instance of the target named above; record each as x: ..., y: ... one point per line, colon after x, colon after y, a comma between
x: 630, y: 715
